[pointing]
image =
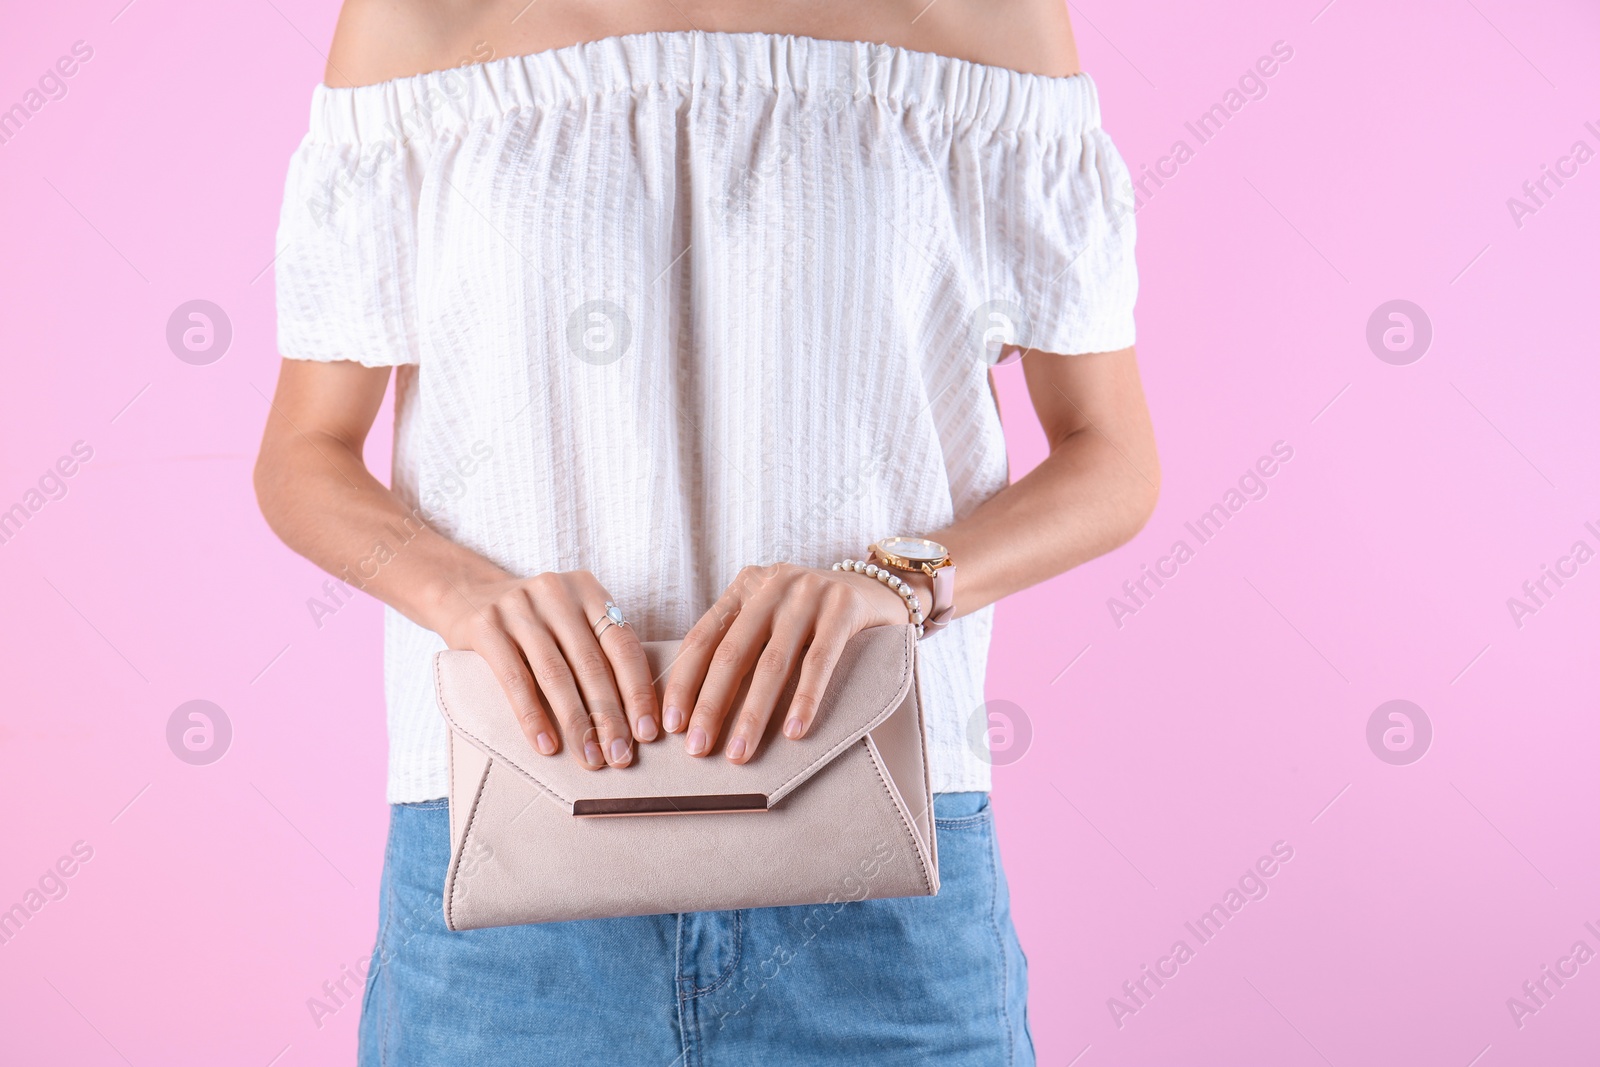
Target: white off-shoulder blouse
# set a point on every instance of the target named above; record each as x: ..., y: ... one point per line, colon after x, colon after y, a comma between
x: 668, y: 304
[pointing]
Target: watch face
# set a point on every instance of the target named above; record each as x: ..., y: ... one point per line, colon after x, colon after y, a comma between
x: 916, y: 549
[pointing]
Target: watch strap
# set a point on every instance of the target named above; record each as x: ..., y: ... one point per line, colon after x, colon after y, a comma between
x: 944, y: 596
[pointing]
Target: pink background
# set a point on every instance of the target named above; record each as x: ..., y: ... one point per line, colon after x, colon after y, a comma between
x: 1229, y: 713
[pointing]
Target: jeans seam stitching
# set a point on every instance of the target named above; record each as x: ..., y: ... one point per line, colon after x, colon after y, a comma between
x: 688, y: 1010
x: 691, y: 1030
x: 733, y: 965
x: 1005, y: 978
x: 387, y: 991
x: 683, y: 1000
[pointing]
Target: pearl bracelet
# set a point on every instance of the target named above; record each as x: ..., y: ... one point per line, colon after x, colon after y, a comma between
x: 893, y: 581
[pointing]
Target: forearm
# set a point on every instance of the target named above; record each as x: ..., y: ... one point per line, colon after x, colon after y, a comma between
x: 319, y: 498
x: 1086, y: 498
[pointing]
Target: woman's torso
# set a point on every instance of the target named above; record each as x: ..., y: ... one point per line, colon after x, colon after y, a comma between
x: 672, y: 303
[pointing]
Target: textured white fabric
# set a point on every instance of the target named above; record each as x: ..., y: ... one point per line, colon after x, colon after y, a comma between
x: 674, y: 303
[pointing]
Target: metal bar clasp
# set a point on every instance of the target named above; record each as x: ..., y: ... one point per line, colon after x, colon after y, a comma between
x: 696, y: 804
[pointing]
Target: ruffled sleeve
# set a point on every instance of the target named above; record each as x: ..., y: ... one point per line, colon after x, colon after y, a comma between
x: 1059, y: 243
x: 347, y: 240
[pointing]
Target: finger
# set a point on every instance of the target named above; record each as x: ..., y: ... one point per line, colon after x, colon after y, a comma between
x: 734, y: 657
x: 559, y: 688
x: 816, y: 669
x: 773, y: 668
x: 565, y: 619
x: 694, y: 657
x: 631, y: 669
x: 505, y: 659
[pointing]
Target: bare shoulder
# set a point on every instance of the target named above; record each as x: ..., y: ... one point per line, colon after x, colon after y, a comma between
x: 1033, y: 36
x: 379, y: 40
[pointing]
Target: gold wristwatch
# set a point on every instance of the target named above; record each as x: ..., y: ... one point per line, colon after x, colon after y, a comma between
x: 922, y: 556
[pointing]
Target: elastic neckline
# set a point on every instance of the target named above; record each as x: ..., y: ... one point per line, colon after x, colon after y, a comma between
x: 959, y: 92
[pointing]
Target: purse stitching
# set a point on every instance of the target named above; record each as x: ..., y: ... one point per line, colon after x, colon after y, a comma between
x: 905, y: 656
x: 927, y: 772
x: 438, y: 692
x: 496, y: 754
x: 877, y: 720
x: 877, y: 765
x: 455, y: 860
x: 783, y: 788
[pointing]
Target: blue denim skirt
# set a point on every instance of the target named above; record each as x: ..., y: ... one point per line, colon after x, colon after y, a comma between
x: 909, y: 981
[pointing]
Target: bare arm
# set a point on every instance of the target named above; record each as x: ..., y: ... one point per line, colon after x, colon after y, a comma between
x: 317, y: 494
x: 1092, y: 493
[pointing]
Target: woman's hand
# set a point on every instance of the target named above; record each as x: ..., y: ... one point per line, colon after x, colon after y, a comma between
x: 762, y: 626
x: 598, y: 689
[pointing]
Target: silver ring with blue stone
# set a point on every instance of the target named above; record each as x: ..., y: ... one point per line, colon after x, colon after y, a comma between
x: 612, y: 617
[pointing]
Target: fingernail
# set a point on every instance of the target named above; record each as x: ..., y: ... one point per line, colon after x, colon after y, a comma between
x: 619, y: 751
x: 646, y: 728
x: 736, y: 748
x: 591, y: 754
x: 792, y: 728
x: 545, y: 743
x: 697, y: 741
x: 673, y: 718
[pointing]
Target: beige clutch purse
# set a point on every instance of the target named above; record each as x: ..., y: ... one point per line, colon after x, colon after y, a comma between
x: 843, y: 814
